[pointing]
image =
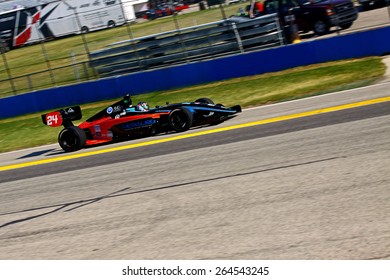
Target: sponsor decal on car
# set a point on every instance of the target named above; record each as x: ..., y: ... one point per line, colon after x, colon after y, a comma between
x: 97, y: 128
x: 115, y: 109
x: 138, y: 124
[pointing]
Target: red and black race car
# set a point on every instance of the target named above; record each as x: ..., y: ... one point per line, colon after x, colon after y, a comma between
x: 122, y: 120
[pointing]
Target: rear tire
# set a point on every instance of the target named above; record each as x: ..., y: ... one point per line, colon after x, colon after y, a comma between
x: 180, y: 119
x: 111, y: 24
x: 84, y: 29
x: 72, y: 139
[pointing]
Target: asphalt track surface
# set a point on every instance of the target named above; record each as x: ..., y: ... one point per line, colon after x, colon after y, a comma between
x: 315, y: 186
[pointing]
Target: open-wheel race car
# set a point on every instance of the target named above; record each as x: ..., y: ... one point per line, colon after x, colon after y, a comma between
x: 122, y: 121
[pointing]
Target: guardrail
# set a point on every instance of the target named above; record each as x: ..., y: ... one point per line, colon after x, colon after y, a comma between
x: 187, y: 45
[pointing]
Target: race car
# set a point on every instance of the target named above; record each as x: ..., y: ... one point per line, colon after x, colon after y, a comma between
x: 123, y: 121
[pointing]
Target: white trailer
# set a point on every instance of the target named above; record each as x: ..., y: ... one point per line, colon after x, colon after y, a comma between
x: 75, y: 16
x: 53, y: 19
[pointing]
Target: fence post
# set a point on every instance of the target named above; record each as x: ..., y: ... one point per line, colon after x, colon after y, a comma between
x: 222, y: 10
x: 6, y: 66
x: 85, y: 70
x: 74, y: 9
x: 338, y: 28
x: 280, y: 33
x: 45, y: 56
x: 75, y: 66
x: 388, y: 7
x: 30, y: 84
x: 131, y: 36
x: 180, y: 36
x: 238, y: 38
x: 129, y: 32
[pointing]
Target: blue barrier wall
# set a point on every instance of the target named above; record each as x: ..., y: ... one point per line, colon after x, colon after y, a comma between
x: 367, y: 43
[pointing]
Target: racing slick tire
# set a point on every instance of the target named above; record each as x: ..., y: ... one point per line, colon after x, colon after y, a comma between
x: 180, y: 119
x: 72, y: 139
x: 205, y: 100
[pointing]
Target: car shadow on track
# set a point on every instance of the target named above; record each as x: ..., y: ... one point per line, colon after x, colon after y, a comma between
x: 37, y: 153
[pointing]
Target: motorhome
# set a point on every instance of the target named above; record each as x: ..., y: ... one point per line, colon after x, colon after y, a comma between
x: 25, y: 22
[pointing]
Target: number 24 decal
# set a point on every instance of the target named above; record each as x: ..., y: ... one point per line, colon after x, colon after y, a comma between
x: 54, y: 119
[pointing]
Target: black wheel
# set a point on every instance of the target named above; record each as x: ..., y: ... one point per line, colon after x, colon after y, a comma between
x: 180, y: 119
x: 204, y: 100
x: 72, y: 139
x: 111, y: 24
x: 321, y: 27
x: 84, y: 29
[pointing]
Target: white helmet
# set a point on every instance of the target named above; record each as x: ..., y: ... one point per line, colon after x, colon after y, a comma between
x: 142, y: 106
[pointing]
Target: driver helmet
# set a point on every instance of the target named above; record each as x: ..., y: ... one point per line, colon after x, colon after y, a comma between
x: 127, y: 100
x: 142, y: 106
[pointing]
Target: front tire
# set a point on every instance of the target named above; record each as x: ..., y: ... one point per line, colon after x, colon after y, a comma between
x: 204, y: 100
x: 180, y: 119
x: 72, y: 139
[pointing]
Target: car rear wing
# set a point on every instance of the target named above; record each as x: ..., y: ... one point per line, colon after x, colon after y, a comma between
x: 62, y: 117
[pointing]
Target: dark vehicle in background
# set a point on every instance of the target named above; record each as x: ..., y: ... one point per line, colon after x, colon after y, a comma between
x: 159, y: 11
x: 318, y: 16
x: 368, y: 4
x: 314, y: 15
x: 163, y: 10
